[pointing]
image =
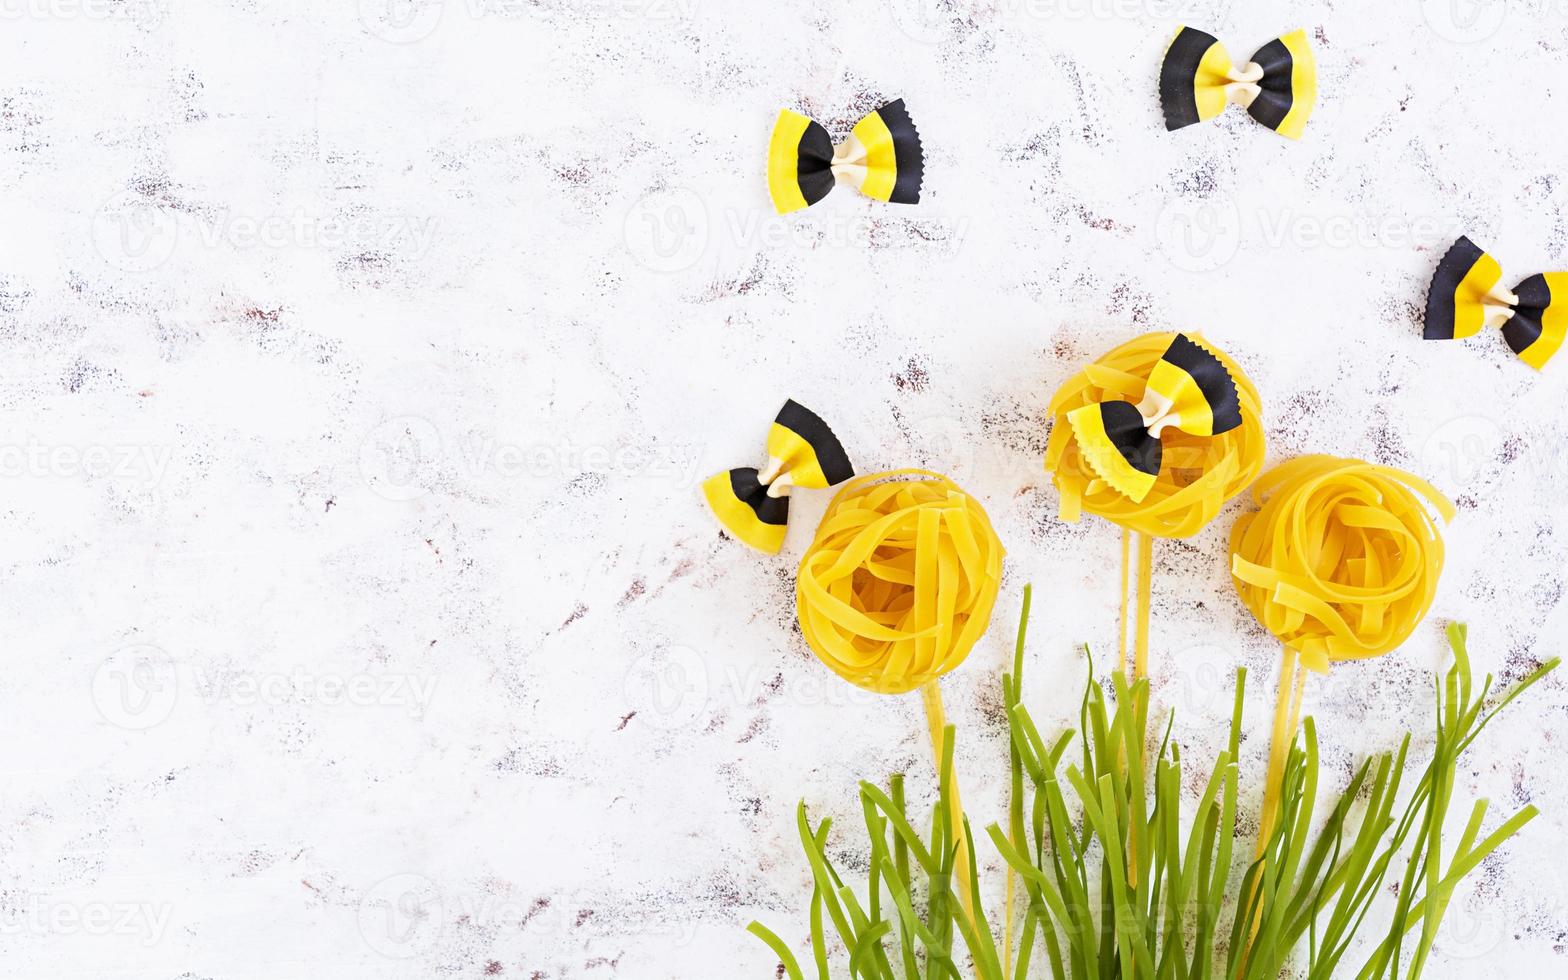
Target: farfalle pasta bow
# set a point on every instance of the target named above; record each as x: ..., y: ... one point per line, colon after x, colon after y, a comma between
x: 1189, y: 389
x: 1278, y: 87
x: 1197, y: 473
x: 882, y: 157
x: 898, y: 585
x: 1467, y: 294
x: 753, y: 504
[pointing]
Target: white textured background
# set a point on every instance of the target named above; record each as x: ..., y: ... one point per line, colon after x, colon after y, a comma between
x: 361, y: 361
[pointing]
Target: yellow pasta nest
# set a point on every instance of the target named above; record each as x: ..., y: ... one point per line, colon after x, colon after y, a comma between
x: 1342, y: 560
x: 900, y: 581
x: 1199, y: 473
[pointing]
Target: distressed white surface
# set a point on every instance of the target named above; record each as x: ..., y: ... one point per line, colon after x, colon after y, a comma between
x: 361, y: 362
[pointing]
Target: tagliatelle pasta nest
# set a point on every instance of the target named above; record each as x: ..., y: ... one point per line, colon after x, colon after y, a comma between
x: 1342, y: 560
x: 1199, y: 473
x: 900, y: 580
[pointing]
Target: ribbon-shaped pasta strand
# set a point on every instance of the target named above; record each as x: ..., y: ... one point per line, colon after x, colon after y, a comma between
x: 1196, y: 475
x: 1278, y: 87
x: 895, y: 591
x: 1467, y: 294
x: 882, y: 156
x: 1154, y: 436
x: 1341, y: 562
x: 900, y: 581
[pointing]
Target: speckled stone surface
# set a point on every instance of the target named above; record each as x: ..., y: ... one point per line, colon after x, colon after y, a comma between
x: 362, y: 360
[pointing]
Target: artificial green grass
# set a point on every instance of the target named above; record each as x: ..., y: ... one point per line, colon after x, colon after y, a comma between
x: 1114, y: 886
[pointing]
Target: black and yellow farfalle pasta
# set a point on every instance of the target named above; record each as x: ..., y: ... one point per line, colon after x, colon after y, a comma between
x: 1189, y: 389
x: 1278, y: 87
x: 1197, y: 475
x: 1467, y: 294
x: 898, y: 585
x: 882, y: 156
x: 753, y: 504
